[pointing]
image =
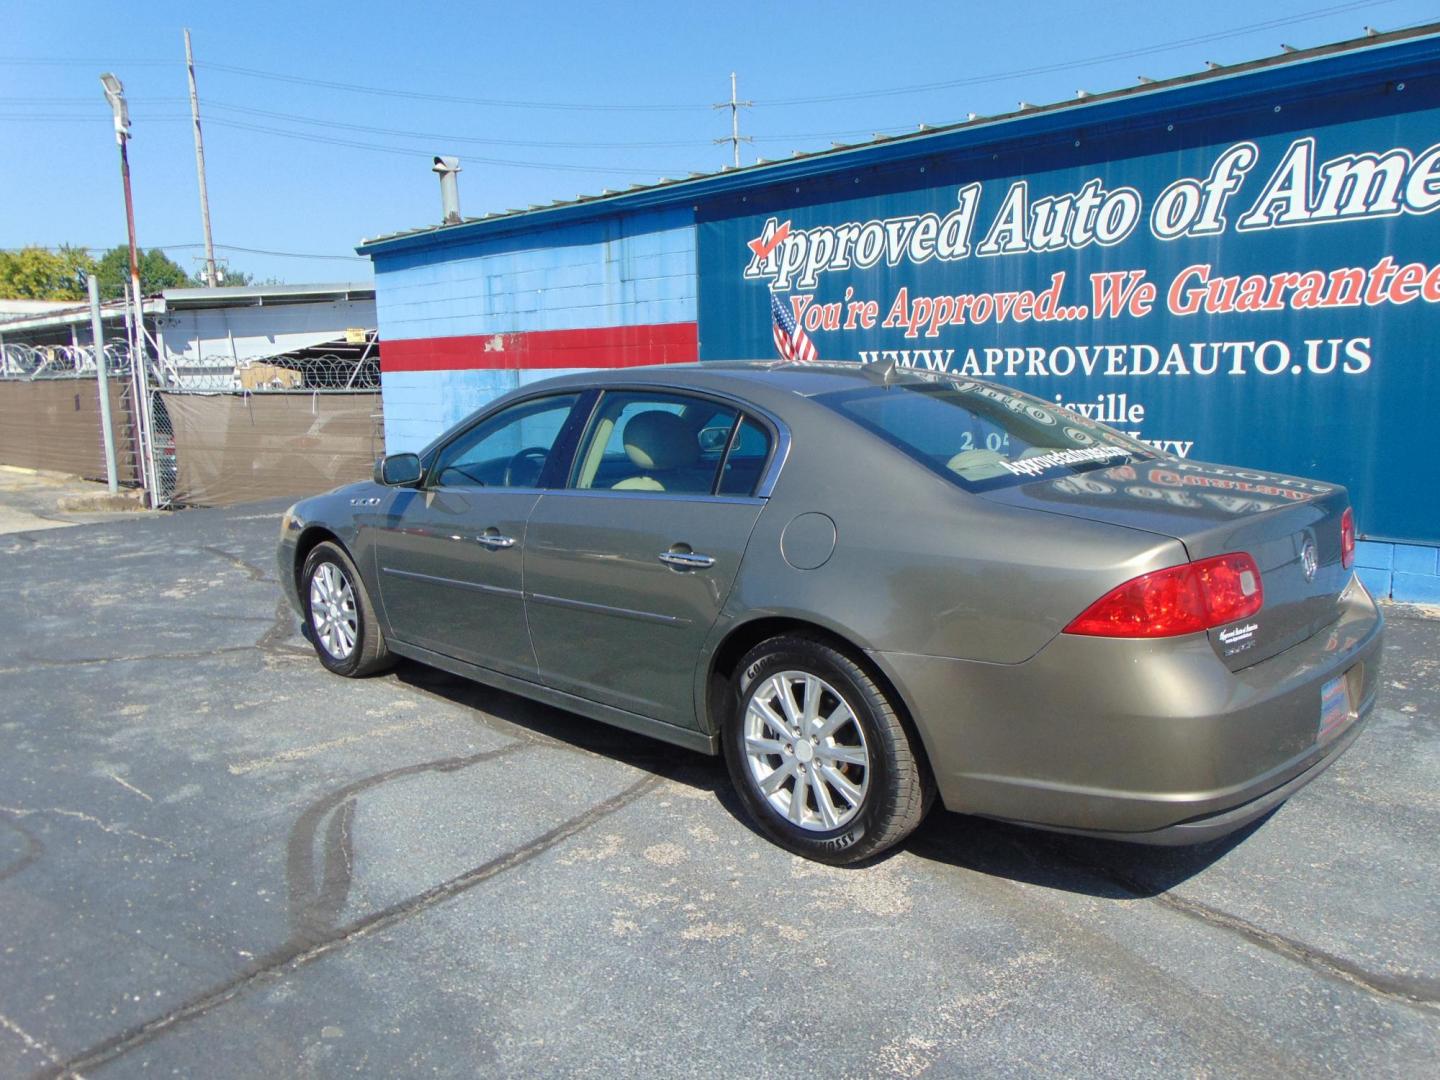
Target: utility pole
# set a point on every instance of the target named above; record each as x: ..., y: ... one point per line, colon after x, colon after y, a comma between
x: 210, y: 279
x: 734, y: 105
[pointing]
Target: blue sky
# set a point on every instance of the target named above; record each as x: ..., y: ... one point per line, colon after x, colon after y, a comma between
x: 817, y: 72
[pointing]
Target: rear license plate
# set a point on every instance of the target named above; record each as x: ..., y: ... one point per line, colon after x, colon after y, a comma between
x: 1334, y: 706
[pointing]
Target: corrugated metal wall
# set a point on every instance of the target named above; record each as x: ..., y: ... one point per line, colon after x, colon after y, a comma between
x: 200, y: 335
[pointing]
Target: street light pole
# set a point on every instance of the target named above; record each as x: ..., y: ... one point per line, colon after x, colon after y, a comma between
x: 115, y: 95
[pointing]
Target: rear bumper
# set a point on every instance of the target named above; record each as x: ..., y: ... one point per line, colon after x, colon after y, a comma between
x: 1151, y: 742
x: 1213, y: 826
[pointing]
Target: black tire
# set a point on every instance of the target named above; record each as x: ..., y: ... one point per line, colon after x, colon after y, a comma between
x: 369, y: 656
x: 897, y: 788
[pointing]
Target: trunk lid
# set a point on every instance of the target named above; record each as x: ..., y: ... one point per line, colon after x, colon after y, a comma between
x: 1289, y: 526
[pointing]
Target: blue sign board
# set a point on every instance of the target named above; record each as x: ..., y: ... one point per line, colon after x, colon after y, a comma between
x: 1258, y: 286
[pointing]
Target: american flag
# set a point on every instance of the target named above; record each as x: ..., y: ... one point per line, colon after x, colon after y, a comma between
x: 792, y: 342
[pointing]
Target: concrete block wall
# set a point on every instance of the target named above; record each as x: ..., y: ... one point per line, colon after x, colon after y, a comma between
x: 465, y: 323
x: 1408, y: 573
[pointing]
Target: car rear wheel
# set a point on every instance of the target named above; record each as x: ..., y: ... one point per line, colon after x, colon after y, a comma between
x: 339, y: 615
x: 819, y: 755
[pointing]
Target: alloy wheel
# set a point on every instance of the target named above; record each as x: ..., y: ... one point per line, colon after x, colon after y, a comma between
x: 332, y: 611
x: 806, y: 751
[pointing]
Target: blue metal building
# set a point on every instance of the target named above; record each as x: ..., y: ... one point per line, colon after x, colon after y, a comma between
x: 1241, y: 265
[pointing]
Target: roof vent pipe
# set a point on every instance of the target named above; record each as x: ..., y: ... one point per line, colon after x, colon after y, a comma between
x: 447, y: 167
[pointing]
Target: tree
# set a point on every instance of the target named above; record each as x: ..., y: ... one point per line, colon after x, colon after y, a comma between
x: 157, y: 271
x: 37, y: 273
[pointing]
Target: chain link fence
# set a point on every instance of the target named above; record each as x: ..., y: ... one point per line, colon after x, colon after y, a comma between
x: 208, y: 431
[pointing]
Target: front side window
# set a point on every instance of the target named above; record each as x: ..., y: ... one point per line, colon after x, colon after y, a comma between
x: 981, y: 437
x: 643, y: 441
x: 510, y: 449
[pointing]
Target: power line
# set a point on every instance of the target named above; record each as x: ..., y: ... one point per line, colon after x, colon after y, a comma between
x: 340, y: 125
x: 1044, y: 69
x: 409, y: 151
x: 792, y: 138
x: 451, y: 137
x: 280, y: 76
x: 507, y: 103
x: 195, y: 244
x: 283, y: 254
x: 66, y: 61
x: 405, y: 151
x: 87, y: 101
x: 79, y: 119
x: 317, y: 121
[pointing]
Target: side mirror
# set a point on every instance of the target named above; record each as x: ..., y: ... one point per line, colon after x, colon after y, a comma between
x: 398, y: 470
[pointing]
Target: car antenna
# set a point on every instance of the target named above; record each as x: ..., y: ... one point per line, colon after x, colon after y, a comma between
x: 882, y: 371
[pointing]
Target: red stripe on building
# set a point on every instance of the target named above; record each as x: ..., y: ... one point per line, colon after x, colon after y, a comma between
x: 600, y: 347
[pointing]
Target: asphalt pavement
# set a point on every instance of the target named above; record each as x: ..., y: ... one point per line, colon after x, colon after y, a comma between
x: 218, y: 860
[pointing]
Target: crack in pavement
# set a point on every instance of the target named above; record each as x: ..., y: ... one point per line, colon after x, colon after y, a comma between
x: 271, y: 641
x: 255, y: 572
x: 300, y: 753
x: 130, y: 787
x: 88, y: 661
x: 1416, y: 992
x: 40, y: 1047
x: 297, y: 953
x: 89, y: 819
x: 1419, y: 993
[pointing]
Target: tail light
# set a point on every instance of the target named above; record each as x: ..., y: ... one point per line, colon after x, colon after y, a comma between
x: 1347, y: 538
x: 1179, y: 600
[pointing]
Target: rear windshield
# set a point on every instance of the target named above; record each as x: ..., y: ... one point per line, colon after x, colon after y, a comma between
x: 981, y: 437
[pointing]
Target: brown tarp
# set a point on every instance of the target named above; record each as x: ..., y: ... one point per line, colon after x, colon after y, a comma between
x: 232, y: 448
x: 55, y: 424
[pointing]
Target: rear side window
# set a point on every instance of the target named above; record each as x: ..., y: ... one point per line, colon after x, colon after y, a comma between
x: 981, y: 437
x: 645, y: 442
x: 749, y: 451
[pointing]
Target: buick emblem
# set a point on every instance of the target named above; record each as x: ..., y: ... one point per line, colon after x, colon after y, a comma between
x: 1309, y: 560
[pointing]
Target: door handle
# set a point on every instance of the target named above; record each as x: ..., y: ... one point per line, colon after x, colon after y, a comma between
x: 495, y: 540
x: 686, y: 560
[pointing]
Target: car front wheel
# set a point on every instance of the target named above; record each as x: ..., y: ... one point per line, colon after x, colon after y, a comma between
x: 819, y: 755
x: 339, y: 616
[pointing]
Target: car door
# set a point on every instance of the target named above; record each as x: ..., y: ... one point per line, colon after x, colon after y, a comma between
x: 448, y: 554
x: 627, y: 567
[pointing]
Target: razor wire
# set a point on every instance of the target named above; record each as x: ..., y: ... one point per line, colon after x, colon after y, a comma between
x: 202, y: 375
x: 60, y: 361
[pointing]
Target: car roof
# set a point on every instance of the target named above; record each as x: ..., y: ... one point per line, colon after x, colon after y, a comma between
x: 757, y: 379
